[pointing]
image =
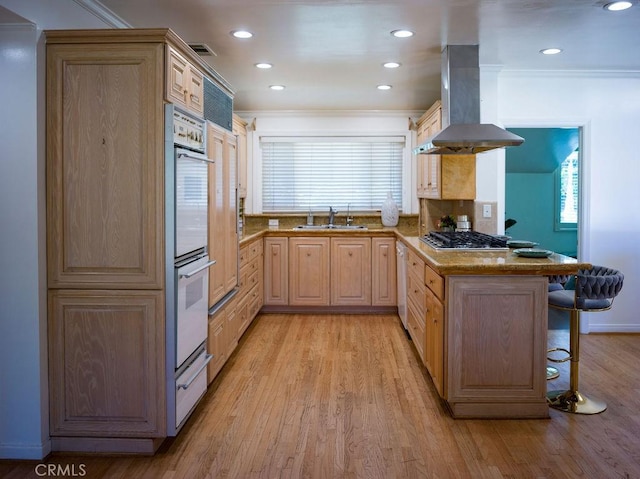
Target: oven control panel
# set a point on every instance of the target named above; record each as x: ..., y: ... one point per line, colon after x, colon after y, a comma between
x: 188, y: 131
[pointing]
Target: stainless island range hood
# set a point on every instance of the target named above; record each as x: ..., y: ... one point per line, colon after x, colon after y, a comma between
x: 462, y: 133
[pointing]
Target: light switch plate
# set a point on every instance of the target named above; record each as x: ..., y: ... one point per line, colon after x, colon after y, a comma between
x: 273, y: 223
x: 486, y: 211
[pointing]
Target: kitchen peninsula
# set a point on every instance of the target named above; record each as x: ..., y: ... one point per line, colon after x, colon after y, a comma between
x: 478, y: 320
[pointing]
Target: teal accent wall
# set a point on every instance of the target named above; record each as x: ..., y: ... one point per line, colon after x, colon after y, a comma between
x: 530, y: 187
x: 530, y: 201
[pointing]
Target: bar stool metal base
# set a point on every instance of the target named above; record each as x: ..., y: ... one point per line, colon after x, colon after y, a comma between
x: 552, y: 373
x: 574, y: 402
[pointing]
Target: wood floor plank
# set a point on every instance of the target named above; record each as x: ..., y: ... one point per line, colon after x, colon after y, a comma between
x: 345, y: 396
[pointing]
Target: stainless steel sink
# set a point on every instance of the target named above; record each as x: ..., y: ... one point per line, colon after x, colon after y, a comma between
x: 330, y: 227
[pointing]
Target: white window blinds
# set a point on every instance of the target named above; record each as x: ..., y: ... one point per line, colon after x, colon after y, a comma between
x: 313, y: 173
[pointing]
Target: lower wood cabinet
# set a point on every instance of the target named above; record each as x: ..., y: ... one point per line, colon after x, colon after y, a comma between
x: 496, y: 344
x: 251, y: 292
x: 222, y: 338
x: 350, y: 271
x: 383, y: 272
x: 276, y: 271
x: 309, y: 271
x: 107, y: 364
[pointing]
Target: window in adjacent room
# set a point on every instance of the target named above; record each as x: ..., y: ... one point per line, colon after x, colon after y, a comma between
x: 312, y: 173
x: 567, y: 193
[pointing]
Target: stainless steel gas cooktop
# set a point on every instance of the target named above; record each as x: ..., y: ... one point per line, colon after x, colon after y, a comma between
x: 464, y: 240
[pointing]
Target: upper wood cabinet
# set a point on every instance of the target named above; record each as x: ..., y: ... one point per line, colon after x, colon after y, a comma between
x: 184, y: 83
x: 350, y: 271
x: 223, y: 232
x: 105, y: 161
x: 446, y: 177
x: 240, y: 130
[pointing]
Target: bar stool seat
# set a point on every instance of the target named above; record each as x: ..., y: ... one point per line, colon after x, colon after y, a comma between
x: 595, y: 290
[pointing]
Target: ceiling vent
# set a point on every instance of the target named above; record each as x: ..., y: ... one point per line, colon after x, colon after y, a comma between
x: 202, y: 49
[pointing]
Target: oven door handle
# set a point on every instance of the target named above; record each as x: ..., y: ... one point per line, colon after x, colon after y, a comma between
x: 197, y: 270
x: 186, y: 385
x: 197, y: 158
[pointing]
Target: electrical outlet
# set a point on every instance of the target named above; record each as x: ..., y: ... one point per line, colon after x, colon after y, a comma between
x: 273, y: 223
x: 486, y: 211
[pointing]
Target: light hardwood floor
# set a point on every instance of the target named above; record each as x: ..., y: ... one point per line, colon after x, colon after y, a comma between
x: 344, y: 396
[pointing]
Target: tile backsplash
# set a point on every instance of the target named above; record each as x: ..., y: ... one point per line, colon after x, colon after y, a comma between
x: 432, y: 210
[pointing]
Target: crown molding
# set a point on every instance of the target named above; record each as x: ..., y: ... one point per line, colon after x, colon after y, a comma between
x: 103, y: 13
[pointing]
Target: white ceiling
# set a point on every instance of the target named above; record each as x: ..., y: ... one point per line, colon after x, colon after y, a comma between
x: 329, y: 53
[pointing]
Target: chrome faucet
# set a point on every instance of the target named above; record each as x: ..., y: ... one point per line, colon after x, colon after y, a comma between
x: 349, y: 218
x: 332, y: 214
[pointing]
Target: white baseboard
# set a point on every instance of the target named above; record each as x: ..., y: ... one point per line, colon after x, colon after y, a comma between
x: 25, y: 451
x: 613, y: 328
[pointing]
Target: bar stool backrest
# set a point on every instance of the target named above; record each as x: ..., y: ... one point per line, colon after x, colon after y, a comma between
x: 596, y: 287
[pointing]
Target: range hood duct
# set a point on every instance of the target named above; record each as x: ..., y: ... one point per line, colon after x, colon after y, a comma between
x: 462, y: 133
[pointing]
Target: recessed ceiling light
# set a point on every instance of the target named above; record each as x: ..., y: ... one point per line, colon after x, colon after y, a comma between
x: 551, y: 51
x: 264, y: 66
x: 617, y: 6
x: 241, y: 34
x: 402, y: 33
x: 391, y: 65
x: 277, y: 87
x: 384, y: 87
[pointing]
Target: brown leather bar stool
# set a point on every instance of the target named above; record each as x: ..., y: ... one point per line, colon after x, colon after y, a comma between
x: 556, y: 282
x: 595, y: 290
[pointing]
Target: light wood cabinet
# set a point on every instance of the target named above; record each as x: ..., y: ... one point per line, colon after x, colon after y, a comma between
x: 434, y: 329
x: 104, y: 166
x: 106, y: 254
x: 251, y: 292
x: 185, y: 83
x: 276, y: 271
x: 446, y: 177
x: 240, y: 130
x: 106, y: 364
x: 496, y: 341
x: 222, y: 337
x: 416, y: 303
x: 309, y: 271
x: 223, y: 232
x: 383, y: 272
x: 350, y: 271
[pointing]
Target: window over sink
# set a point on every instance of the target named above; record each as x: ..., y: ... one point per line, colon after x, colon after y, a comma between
x: 314, y: 172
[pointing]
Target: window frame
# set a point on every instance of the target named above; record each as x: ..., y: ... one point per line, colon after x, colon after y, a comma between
x: 559, y: 225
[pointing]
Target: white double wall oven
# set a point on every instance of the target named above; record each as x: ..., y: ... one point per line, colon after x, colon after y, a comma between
x: 187, y: 262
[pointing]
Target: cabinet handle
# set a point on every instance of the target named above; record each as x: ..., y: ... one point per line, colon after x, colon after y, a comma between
x: 350, y: 253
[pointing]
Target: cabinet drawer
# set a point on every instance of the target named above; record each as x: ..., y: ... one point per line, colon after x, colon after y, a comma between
x: 253, y: 278
x: 416, y: 294
x: 434, y: 282
x: 416, y: 330
x: 415, y: 265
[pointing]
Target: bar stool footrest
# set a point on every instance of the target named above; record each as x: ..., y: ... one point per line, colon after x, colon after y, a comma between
x: 562, y: 360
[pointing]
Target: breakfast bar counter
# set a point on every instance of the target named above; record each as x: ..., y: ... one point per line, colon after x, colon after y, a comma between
x: 485, y: 327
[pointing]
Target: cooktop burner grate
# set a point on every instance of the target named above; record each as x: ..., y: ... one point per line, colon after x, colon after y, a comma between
x: 468, y: 240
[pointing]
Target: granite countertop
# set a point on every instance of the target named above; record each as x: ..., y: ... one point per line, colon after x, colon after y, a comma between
x: 490, y: 262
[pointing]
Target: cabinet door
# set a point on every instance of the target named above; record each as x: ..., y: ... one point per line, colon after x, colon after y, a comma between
x: 178, y: 70
x: 218, y: 223
x: 276, y: 271
x: 434, y: 346
x: 216, y: 344
x: 105, y: 161
x: 240, y: 130
x: 309, y: 271
x: 195, y: 93
x: 106, y: 363
x: 383, y: 272
x: 351, y: 271
x: 231, y: 214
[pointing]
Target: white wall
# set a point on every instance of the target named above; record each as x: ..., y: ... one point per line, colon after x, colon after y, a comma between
x: 607, y: 105
x: 329, y: 123
x: 24, y: 420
